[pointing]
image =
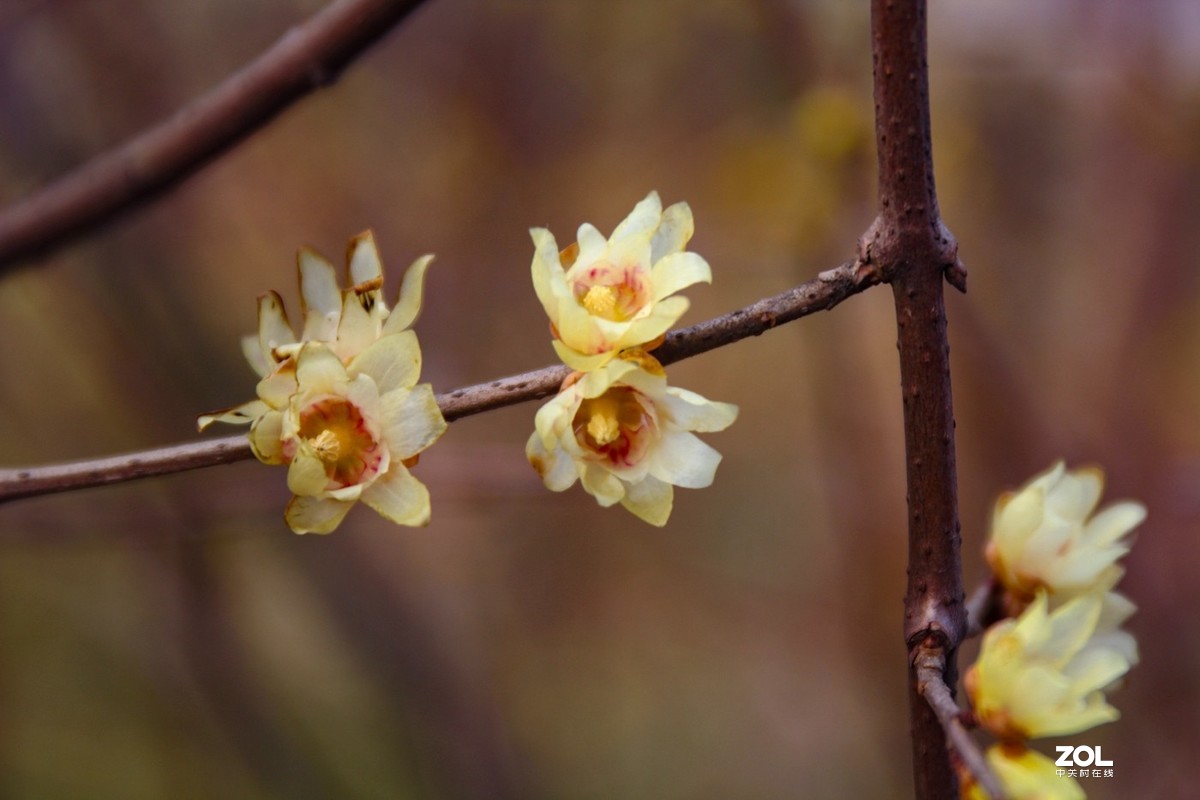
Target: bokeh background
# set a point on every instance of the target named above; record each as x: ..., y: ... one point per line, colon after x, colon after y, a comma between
x: 171, y: 638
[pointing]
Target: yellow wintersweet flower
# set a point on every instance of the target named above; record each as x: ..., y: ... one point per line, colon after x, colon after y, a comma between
x: 603, y: 296
x: 1044, y: 673
x: 347, y: 321
x: 1047, y: 536
x: 1024, y: 774
x: 627, y: 436
x: 350, y: 432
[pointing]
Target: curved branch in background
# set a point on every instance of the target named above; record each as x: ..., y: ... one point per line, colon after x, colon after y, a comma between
x: 306, y: 58
x: 822, y: 293
x: 930, y: 665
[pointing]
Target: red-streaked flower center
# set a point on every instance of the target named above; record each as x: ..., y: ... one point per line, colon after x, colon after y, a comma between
x: 614, y: 426
x: 611, y: 292
x: 335, y: 429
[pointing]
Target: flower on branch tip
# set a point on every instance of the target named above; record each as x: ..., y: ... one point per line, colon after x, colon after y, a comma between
x: 346, y: 320
x: 603, y: 296
x: 627, y: 436
x: 1047, y: 536
x: 1044, y: 673
x: 350, y: 432
x: 1024, y: 774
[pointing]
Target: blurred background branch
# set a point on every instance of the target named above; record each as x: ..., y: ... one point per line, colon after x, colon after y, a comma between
x: 306, y: 58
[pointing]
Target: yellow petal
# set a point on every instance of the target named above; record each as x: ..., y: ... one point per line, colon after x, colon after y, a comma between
x: 266, y: 438
x: 674, y: 232
x: 273, y: 328
x: 643, y: 221
x: 678, y: 271
x: 319, y: 371
x: 650, y: 499
x: 408, y: 304
x: 320, y: 297
x: 400, y: 497
x: 555, y: 467
x: 393, y: 362
x: 363, y: 266
x: 315, y: 514
x: 411, y: 420
x: 238, y: 415
x: 306, y: 474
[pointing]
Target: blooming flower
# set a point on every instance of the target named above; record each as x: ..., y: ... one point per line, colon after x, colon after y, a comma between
x: 1024, y: 774
x: 350, y: 432
x: 346, y: 320
x: 1044, y: 673
x: 604, y: 296
x: 1046, y: 535
x: 626, y: 436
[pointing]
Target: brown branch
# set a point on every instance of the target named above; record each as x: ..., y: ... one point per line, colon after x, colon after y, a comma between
x: 823, y: 292
x: 929, y: 666
x: 304, y: 59
x: 984, y: 606
x: 908, y: 244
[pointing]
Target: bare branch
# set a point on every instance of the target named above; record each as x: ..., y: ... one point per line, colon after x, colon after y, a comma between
x: 304, y: 59
x: 908, y: 244
x: 930, y: 665
x: 823, y: 292
x: 984, y: 606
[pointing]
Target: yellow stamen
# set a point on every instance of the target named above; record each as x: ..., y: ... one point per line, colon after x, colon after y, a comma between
x: 327, y: 445
x: 601, y: 301
x: 603, y: 427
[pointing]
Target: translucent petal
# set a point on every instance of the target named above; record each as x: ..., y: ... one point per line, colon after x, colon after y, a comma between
x: 602, y: 484
x: 1114, y: 522
x: 593, y: 247
x: 273, y: 328
x: 412, y: 292
x: 555, y: 467
x: 642, y: 221
x: 306, y: 474
x: 392, y: 361
x: 674, y: 232
x: 691, y: 412
x: 360, y: 325
x: 244, y: 414
x: 266, y: 438
x: 1076, y: 494
x: 277, y: 388
x: 650, y: 499
x: 319, y: 371
x: 646, y: 329
x: 548, y: 281
x: 315, y: 514
x: 399, y: 497
x: 411, y: 420
x: 1029, y: 774
x: 362, y: 261
x: 578, y: 361
x: 682, y: 459
x: 321, y: 298
x: 678, y: 271
x: 260, y: 362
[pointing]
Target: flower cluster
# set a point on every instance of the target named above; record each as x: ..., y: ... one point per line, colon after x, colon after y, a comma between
x: 341, y: 405
x: 1045, y: 670
x: 616, y: 426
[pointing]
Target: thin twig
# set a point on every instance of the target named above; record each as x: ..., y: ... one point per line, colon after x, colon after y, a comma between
x: 304, y: 59
x: 930, y: 665
x: 823, y: 292
x: 983, y: 606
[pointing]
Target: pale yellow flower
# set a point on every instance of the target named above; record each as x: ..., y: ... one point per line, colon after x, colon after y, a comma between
x: 1047, y: 535
x: 347, y: 321
x: 1025, y: 775
x: 627, y: 436
x: 1044, y: 673
x: 349, y: 433
x: 603, y: 296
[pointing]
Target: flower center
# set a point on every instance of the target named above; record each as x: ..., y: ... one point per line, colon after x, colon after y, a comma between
x: 337, y: 433
x: 611, y: 292
x: 614, y: 426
